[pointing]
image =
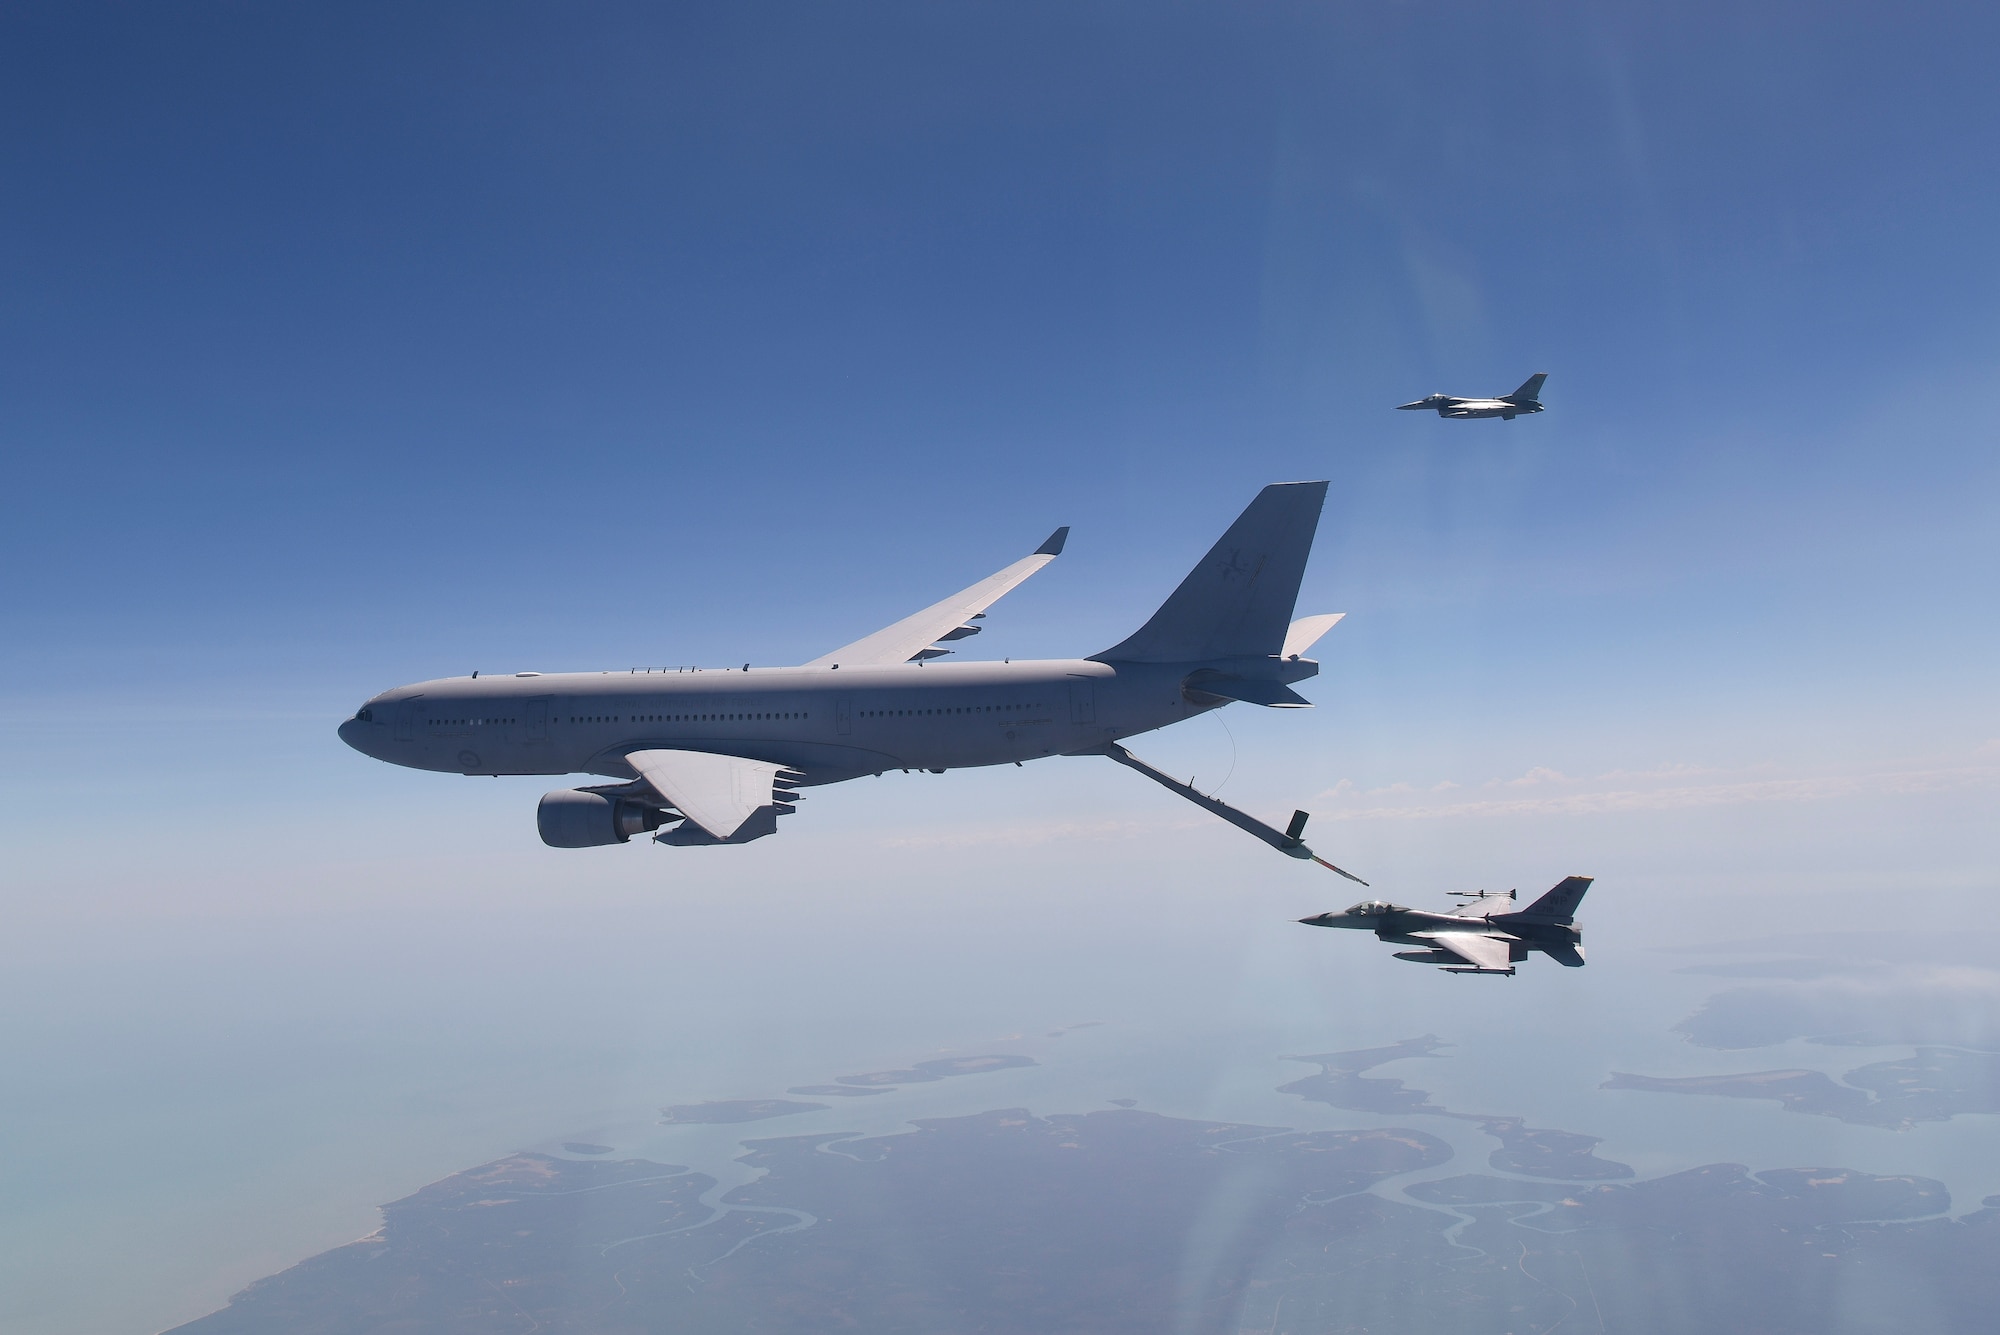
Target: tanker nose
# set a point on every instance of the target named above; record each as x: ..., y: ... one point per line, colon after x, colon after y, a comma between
x: 357, y: 731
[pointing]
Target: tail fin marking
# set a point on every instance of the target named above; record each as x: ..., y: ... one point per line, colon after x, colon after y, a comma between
x: 1559, y: 904
x: 1238, y: 602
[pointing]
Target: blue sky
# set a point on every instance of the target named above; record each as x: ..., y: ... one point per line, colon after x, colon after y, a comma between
x: 352, y: 345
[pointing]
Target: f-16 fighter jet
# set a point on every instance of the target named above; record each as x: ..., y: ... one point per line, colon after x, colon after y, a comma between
x: 1526, y: 399
x: 716, y: 756
x: 1482, y: 935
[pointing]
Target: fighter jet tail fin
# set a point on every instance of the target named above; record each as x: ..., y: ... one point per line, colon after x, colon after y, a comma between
x: 1238, y: 602
x: 1559, y: 904
x: 1530, y: 390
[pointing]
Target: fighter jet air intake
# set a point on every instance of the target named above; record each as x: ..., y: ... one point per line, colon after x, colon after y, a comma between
x: 1482, y: 935
x: 1526, y: 399
x: 715, y: 756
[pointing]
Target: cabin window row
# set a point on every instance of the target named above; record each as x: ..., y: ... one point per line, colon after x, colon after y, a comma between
x: 685, y: 718
x: 734, y: 718
x: 955, y: 709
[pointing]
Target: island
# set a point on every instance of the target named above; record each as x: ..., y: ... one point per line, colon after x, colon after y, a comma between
x: 734, y: 1110
x: 939, y: 1068
x: 1931, y: 1085
x: 1341, y: 1084
x: 1534, y: 1151
x: 1539, y: 1152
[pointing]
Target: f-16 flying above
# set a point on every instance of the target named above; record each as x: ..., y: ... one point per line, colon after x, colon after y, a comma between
x: 716, y: 756
x: 1526, y: 399
x: 1480, y: 935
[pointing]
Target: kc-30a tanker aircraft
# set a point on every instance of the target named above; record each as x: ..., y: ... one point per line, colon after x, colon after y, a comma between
x: 716, y: 756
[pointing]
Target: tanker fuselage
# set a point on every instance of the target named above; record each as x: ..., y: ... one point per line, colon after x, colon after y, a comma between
x: 830, y: 723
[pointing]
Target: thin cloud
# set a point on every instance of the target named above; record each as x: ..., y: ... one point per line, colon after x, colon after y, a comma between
x: 1046, y: 832
x: 1624, y: 792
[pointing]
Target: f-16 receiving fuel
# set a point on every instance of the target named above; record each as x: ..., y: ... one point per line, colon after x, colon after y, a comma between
x: 707, y: 756
x: 1479, y: 936
x: 1526, y: 399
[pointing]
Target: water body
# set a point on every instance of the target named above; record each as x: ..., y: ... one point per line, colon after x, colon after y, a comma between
x: 167, y: 1142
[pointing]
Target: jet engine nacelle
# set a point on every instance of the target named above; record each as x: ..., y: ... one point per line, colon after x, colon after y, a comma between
x: 578, y: 818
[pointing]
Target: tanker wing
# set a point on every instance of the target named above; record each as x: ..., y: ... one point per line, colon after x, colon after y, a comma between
x: 913, y: 636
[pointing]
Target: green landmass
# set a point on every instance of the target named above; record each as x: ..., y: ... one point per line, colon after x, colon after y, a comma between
x: 1341, y: 1083
x: 1818, y: 1196
x: 1478, y: 1189
x: 1539, y: 1152
x: 1931, y: 1085
x: 1535, y: 1151
x: 940, y: 1068
x: 1130, y: 1223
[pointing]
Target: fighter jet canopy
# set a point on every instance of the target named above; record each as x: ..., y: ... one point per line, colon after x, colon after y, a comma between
x: 1368, y: 908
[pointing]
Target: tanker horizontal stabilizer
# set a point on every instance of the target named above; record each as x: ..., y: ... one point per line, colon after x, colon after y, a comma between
x: 1304, y: 633
x: 1252, y: 691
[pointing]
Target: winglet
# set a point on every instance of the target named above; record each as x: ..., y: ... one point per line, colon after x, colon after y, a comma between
x: 912, y: 637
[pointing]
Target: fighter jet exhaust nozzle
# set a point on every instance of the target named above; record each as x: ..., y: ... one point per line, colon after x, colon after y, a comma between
x: 575, y: 818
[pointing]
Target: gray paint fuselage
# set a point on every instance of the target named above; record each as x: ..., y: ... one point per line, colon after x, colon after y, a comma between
x: 1401, y: 925
x: 831, y: 723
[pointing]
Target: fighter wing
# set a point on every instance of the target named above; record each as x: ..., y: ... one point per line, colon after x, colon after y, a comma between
x: 731, y: 798
x: 1483, y: 905
x: 1480, y: 951
x: 913, y: 635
